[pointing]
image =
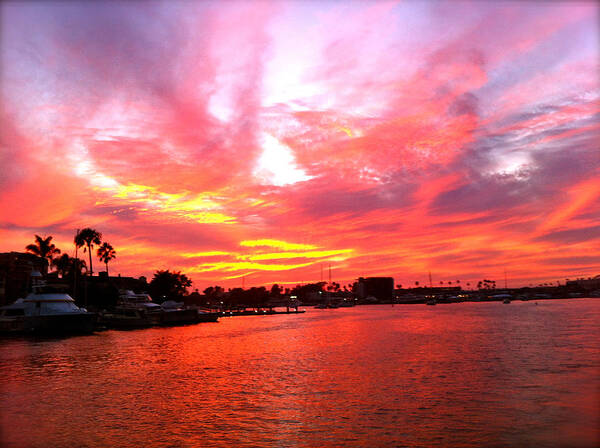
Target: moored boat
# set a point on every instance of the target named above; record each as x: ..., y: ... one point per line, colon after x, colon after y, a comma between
x: 133, y: 311
x: 205, y: 316
x: 175, y: 313
x: 124, y: 317
x: 506, y: 298
x: 46, y: 312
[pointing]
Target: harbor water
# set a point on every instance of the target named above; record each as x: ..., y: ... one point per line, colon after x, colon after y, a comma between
x: 459, y: 375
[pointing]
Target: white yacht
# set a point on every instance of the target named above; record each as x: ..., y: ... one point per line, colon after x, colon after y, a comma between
x: 133, y: 310
x: 46, y: 312
x: 130, y: 299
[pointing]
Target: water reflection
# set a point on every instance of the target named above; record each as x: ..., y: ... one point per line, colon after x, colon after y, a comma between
x: 458, y: 375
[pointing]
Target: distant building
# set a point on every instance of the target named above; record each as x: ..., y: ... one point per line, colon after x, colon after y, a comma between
x: 15, y: 274
x: 137, y: 285
x: 102, y: 292
x: 589, y: 284
x: 382, y: 288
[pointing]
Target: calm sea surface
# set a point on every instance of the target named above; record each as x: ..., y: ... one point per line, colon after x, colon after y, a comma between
x: 471, y: 374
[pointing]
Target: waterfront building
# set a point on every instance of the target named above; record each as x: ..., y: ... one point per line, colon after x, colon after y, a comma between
x: 588, y: 284
x: 15, y: 274
x: 382, y: 288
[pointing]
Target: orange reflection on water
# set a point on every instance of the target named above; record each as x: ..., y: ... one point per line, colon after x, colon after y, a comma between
x: 472, y: 374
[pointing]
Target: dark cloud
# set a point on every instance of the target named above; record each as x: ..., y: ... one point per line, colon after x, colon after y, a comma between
x: 329, y: 199
x: 487, y: 193
x: 465, y: 104
x: 111, y: 45
x: 571, y: 236
x: 584, y: 260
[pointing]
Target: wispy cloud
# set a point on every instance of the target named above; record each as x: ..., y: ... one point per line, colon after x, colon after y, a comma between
x: 265, y: 140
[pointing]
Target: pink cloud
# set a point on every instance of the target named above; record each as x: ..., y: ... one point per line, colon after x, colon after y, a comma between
x: 416, y: 136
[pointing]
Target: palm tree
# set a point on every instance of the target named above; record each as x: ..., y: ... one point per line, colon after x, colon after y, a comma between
x: 44, y: 248
x: 106, y: 253
x: 88, y: 237
x: 62, y: 264
x: 66, y: 265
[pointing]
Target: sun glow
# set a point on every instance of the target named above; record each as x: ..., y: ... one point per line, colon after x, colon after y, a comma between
x: 277, y: 165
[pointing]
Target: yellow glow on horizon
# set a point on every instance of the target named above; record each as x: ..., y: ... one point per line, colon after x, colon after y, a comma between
x: 278, y: 244
x: 228, y: 266
x: 309, y: 254
x: 232, y: 277
x: 213, y: 253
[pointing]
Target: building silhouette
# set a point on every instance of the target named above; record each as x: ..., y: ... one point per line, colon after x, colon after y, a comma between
x: 15, y: 274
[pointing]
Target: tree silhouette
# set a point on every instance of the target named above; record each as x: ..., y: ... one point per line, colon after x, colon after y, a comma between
x: 169, y: 285
x: 214, y: 291
x: 66, y: 265
x: 43, y: 247
x: 275, y: 290
x: 105, y: 254
x: 88, y: 237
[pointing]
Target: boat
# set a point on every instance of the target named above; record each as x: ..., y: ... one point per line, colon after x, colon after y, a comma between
x: 133, y: 310
x: 46, y: 312
x: 137, y: 310
x: 206, y: 316
x: 506, y: 298
x: 128, y: 298
x: 129, y: 317
x: 175, y: 313
x: 431, y: 301
x: 346, y: 303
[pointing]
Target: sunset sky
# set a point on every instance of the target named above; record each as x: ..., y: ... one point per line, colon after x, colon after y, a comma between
x: 273, y: 140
